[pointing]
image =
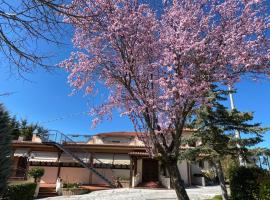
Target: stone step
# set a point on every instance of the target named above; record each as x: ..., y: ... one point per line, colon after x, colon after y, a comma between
x: 46, y: 189
x: 46, y: 194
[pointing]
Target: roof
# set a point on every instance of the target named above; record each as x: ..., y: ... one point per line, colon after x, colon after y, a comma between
x: 86, y: 147
x: 117, y: 134
x: 128, y: 134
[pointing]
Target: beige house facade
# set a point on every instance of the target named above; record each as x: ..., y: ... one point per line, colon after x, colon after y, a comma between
x: 106, y: 157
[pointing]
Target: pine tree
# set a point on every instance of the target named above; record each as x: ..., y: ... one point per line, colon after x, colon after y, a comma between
x: 258, y: 153
x: 214, y: 126
x: 14, y: 125
x: 5, y: 150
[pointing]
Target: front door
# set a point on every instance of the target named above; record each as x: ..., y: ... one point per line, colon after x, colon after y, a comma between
x: 21, y: 167
x: 149, y: 170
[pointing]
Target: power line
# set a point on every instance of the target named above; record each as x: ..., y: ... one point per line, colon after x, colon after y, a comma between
x: 65, y: 117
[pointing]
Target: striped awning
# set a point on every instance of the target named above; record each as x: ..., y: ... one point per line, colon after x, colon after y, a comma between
x: 121, y: 159
x: 21, y: 153
x: 65, y: 158
x: 139, y: 154
x: 42, y: 156
x: 102, y: 158
x: 114, y: 159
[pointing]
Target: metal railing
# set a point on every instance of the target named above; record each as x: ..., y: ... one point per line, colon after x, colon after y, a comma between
x: 59, y: 138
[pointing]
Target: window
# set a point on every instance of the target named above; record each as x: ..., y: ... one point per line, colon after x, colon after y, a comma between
x: 201, y: 164
x: 124, y: 140
x: 116, y: 141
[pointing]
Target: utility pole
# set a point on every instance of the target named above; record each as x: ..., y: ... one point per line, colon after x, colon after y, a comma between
x: 236, y: 132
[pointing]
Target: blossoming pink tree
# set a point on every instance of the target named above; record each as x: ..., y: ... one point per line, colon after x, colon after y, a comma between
x: 158, y: 69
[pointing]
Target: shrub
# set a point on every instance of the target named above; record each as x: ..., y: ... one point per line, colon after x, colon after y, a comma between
x: 71, y: 185
x: 264, y: 189
x: 24, y: 191
x: 36, y: 173
x: 217, y: 197
x: 244, y: 183
x: 209, y: 175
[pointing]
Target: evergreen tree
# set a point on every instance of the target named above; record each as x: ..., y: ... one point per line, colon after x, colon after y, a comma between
x: 261, y: 156
x: 24, y: 128
x: 15, y: 128
x: 214, y: 127
x: 5, y: 150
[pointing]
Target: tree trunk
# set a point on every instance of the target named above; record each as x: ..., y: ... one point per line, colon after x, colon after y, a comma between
x: 177, y: 181
x: 37, y: 181
x: 221, y: 179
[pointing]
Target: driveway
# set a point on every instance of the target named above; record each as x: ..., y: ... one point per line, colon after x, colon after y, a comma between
x: 198, y: 193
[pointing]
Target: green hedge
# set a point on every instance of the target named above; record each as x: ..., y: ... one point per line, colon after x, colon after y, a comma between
x: 264, y: 193
x: 244, y: 183
x: 24, y: 191
x: 249, y: 183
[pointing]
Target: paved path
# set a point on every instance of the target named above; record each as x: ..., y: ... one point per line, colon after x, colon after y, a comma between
x: 200, y: 193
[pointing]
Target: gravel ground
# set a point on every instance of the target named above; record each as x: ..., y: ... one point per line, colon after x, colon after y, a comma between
x: 198, y: 193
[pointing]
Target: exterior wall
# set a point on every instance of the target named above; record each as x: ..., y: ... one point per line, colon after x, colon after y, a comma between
x: 130, y: 140
x: 206, y: 165
x: 50, y: 174
x: 121, y: 140
x: 80, y: 175
x: 35, y: 138
x: 75, y: 175
x: 14, y: 166
x: 95, y: 140
x: 196, y: 169
x: 138, y: 177
x: 136, y: 142
x: 183, y: 168
x: 109, y: 173
x: 163, y: 177
x: 165, y: 181
x: 123, y: 173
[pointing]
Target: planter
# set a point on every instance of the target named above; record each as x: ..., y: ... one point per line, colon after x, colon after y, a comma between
x: 165, y: 181
x: 73, y: 191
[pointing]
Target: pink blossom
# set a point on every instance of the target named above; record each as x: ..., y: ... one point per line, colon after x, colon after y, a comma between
x: 157, y: 69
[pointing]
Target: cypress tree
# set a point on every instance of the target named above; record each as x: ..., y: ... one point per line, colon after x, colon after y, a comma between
x: 5, y: 149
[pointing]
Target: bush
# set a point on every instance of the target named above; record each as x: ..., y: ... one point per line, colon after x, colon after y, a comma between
x: 24, y: 191
x: 209, y: 175
x: 36, y: 173
x: 264, y: 189
x: 71, y: 185
x: 244, y: 183
x: 217, y: 197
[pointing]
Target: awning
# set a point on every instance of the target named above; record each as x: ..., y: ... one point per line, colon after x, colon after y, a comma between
x: 68, y: 159
x: 121, y: 159
x: 139, y: 154
x: 103, y: 159
x: 41, y: 156
x: 21, y: 153
x: 115, y: 159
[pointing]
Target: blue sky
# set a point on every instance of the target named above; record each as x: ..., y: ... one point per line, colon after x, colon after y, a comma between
x: 46, y: 100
